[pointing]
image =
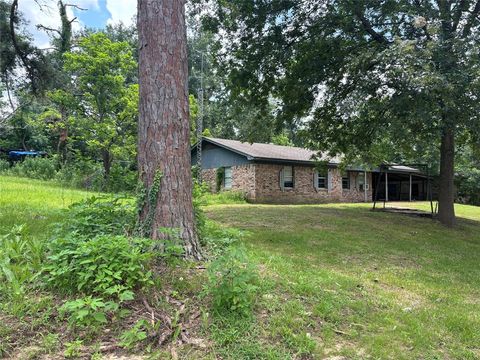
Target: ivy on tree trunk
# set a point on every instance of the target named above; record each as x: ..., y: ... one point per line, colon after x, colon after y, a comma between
x: 163, y: 129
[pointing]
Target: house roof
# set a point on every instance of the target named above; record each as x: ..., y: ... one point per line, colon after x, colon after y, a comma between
x: 280, y: 153
x: 259, y: 151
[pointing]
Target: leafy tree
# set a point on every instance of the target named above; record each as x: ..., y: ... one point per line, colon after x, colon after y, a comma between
x: 106, y: 105
x: 363, y: 72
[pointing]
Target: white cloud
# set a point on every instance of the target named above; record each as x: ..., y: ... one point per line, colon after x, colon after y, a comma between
x: 47, y: 15
x: 122, y: 10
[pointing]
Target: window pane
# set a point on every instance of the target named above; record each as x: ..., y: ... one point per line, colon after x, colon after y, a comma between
x: 288, y: 176
x: 346, y: 181
x: 322, y: 182
x: 228, y: 178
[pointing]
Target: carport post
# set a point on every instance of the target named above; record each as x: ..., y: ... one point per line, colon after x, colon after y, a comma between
x: 410, y: 189
x: 386, y: 185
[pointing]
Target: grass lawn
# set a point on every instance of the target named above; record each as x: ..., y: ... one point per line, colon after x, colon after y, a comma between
x: 337, y: 281
x: 33, y: 202
x: 342, y: 280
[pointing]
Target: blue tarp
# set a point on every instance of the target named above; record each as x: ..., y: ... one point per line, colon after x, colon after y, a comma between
x: 20, y: 154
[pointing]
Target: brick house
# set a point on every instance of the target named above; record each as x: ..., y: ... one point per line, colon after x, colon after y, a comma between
x: 268, y: 173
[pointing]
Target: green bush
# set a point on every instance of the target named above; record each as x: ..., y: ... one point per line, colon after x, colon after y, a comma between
x: 88, y: 311
x: 122, y: 178
x: 35, y: 168
x: 21, y: 257
x: 232, y: 282
x: 81, y: 174
x: 100, y: 215
x: 4, y: 166
x: 103, y: 266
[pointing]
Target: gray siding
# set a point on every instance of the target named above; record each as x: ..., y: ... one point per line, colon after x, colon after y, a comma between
x: 214, y: 157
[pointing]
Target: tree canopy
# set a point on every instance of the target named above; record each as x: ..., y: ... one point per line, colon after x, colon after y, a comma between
x: 362, y: 75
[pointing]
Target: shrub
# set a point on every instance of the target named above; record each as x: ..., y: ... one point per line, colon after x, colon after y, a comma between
x: 100, y: 216
x: 4, y: 166
x: 232, y: 282
x: 122, y: 178
x: 104, y: 266
x: 81, y: 174
x: 199, y: 191
x: 35, y: 168
x: 88, y: 311
x: 21, y: 257
x: 135, y: 335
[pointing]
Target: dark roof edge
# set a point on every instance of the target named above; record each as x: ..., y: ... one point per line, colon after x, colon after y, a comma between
x: 248, y: 156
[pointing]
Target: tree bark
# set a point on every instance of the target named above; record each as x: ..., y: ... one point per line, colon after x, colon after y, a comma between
x: 446, y: 210
x: 107, y: 164
x: 163, y: 129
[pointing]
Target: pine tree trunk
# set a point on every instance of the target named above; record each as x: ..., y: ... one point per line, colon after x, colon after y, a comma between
x: 164, y: 126
x: 446, y: 210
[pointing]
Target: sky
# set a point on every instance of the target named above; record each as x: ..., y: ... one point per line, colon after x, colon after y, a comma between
x: 98, y: 13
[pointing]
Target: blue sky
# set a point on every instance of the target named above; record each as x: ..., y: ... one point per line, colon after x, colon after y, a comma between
x: 94, y: 17
x: 98, y: 13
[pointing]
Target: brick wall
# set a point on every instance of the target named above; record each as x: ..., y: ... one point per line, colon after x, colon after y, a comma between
x: 261, y: 183
x: 243, y: 179
x: 267, y: 186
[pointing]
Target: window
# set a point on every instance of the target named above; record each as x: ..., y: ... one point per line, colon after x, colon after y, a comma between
x: 227, y: 180
x: 322, y: 180
x: 288, y: 176
x: 361, y: 181
x: 346, y: 181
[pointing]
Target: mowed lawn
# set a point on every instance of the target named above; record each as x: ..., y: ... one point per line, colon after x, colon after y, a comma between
x: 35, y: 203
x: 337, y: 281
x: 344, y: 282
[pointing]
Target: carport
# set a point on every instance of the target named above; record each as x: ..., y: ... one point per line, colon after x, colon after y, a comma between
x: 400, y: 183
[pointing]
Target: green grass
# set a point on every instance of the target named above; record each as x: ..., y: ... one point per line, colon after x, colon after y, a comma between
x: 33, y: 202
x: 224, y: 197
x: 342, y: 280
x: 336, y: 280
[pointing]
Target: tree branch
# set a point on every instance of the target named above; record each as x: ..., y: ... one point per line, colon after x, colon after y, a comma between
x: 471, y: 19
x: 367, y: 26
x: 18, y: 51
x: 40, y: 26
x: 75, y: 6
x: 461, y: 7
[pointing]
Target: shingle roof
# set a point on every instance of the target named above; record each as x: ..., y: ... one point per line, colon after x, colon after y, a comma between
x: 261, y: 151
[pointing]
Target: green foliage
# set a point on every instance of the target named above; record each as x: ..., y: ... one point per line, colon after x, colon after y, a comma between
x: 218, y: 239
x: 35, y: 168
x: 101, y: 69
x: 99, y: 215
x: 220, y: 175
x: 105, y: 266
x: 88, y: 311
x: 21, y: 257
x: 233, y: 282
x: 73, y: 349
x: 4, y: 165
x: 224, y: 197
x: 199, y: 191
x: 135, y: 335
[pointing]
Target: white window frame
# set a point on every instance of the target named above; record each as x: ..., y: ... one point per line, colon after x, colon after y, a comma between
x: 285, y: 179
x: 227, y: 184
x: 316, y: 180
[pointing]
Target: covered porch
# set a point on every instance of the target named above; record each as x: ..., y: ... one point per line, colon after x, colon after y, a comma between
x: 394, y: 185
